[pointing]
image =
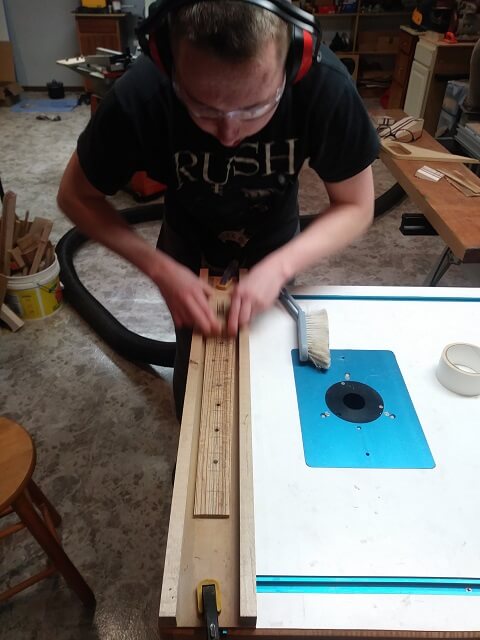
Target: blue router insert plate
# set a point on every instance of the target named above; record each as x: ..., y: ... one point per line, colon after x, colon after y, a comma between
x: 359, y: 413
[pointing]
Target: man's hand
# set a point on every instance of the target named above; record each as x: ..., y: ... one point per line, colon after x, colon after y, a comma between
x: 187, y: 297
x: 256, y: 292
x: 349, y: 215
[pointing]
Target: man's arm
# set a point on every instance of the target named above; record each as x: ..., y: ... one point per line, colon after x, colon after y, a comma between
x: 87, y: 207
x: 349, y: 215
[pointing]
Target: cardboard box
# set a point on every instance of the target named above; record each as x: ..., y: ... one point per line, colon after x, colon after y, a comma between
x: 9, y: 93
x: 7, y: 68
x: 94, y: 4
x: 455, y: 94
x: 10, y: 90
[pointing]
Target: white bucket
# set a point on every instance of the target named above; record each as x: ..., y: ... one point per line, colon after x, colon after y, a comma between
x: 35, y: 296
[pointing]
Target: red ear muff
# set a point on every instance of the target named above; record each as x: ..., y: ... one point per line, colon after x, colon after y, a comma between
x: 307, y: 56
x: 153, y: 49
x: 154, y: 37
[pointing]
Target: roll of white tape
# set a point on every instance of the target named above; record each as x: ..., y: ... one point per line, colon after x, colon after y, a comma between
x: 459, y: 369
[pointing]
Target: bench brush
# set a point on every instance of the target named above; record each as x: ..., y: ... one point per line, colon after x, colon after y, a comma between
x: 312, y: 332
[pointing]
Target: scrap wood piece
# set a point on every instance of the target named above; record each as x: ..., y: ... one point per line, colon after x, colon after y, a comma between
x: 465, y: 190
x: 17, y: 231
x: 456, y: 176
x: 3, y: 288
x: 10, y: 318
x: 42, y: 245
x: 213, y: 481
x: 404, y: 151
x: 48, y: 255
x: 7, y: 231
x: 37, y: 225
x: 28, y: 242
x: 17, y: 256
x: 25, y: 224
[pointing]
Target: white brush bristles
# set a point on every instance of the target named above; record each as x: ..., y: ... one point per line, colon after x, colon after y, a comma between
x: 318, y: 339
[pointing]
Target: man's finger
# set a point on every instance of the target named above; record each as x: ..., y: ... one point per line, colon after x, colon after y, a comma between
x: 208, y: 289
x: 245, y: 313
x: 203, y: 315
x: 232, y: 324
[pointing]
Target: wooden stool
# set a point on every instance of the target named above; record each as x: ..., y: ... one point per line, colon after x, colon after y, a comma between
x: 19, y: 494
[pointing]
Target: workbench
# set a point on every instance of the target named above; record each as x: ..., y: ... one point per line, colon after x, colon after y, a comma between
x: 384, y: 546
x: 455, y: 217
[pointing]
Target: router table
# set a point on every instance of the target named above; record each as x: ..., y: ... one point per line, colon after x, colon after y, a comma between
x: 364, y: 516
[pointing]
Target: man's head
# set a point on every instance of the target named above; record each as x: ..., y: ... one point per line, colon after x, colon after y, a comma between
x: 229, y: 66
x: 235, y: 31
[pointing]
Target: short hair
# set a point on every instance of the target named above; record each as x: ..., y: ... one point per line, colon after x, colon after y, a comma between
x: 229, y: 28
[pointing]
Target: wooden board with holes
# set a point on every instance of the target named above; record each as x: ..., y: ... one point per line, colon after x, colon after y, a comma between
x: 217, y: 419
x: 201, y: 546
x: 455, y: 217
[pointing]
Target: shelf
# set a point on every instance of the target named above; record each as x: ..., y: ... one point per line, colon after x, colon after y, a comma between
x: 320, y: 16
x: 376, y: 53
x: 100, y: 15
x: 373, y: 14
x: 365, y: 53
x: 383, y: 32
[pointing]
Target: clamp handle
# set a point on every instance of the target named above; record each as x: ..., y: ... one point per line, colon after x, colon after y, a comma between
x: 209, y: 604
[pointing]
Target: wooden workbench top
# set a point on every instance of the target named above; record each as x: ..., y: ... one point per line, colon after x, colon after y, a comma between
x: 455, y: 217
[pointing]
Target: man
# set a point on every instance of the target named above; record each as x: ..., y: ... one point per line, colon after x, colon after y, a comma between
x: 228, y: 135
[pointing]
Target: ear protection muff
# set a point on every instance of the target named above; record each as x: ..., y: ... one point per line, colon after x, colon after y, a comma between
x: 304, y: 51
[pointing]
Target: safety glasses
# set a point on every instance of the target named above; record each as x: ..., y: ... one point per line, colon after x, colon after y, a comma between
x: 204, y: 112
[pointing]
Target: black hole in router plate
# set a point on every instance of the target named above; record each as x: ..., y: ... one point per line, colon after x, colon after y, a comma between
x: 354, y: 401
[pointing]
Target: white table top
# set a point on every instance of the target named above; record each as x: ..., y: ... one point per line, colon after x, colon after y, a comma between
x: 420, y: 523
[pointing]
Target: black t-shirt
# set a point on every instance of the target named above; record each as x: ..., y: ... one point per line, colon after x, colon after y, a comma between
x: 229, y: 201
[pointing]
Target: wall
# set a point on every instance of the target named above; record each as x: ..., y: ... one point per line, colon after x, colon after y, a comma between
x: 42, y: 32
x: 3, y: 24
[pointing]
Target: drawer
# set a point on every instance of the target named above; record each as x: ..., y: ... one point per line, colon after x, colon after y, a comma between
x: 97, y: 25
x: 402, y: 68
x: 407, y: 42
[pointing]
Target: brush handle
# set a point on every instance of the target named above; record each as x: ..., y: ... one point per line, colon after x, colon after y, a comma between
x: 298, y: 315
x: 289, y: 303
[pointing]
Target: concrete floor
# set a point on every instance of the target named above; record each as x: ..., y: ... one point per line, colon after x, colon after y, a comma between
x: 104, y: 428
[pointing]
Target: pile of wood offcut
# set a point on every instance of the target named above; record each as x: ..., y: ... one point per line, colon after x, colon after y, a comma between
x: 25, y: 249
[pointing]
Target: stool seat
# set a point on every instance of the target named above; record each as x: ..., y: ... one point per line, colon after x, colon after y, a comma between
x: 17, y: 460
x: 19, y: 494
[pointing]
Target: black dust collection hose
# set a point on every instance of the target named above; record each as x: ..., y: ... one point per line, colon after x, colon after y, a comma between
x: 125, y: 342
x: 128, y: 344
